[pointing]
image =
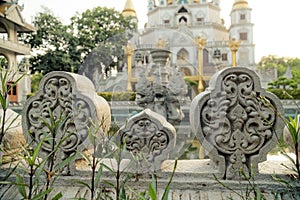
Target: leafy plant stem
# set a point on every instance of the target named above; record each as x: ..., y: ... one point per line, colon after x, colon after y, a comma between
x: 297, y: 160
x: 118, y: 181
x: 31, y: 174
x: 3, y: 122
x: 51, y: 164
x: 93, y: 174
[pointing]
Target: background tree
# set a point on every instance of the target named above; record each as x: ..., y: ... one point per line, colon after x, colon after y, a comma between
x: 93, y: 40
x: 101, y: 32
x: 52, y: 45
x: 281, y: 63
x: 283, y: 87
x: 283, y: 83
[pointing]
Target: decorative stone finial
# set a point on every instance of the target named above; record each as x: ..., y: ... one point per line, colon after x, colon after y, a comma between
x: 62, y: 112
x: 150, y: 137
x: 232, y: 120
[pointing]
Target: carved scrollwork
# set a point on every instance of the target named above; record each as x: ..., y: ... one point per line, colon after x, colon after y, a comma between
x: 60, y: 113
x: 150, y: 135
x: 235, y: 121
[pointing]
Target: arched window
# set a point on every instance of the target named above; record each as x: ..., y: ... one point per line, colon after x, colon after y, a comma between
x: 3, y: 32
x: 186, y: 71
x: 182, y: 57
x: 183, y: 19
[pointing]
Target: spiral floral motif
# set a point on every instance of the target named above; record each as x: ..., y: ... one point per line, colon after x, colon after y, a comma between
x: 235, y: 123
x: 58, y: 114
x: 150, y: 137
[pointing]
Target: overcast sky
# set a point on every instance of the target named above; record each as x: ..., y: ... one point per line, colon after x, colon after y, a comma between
x: 276, y: 23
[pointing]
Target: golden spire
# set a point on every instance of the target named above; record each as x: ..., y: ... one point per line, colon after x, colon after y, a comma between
x: 129, y: 9
x: 240, y: 4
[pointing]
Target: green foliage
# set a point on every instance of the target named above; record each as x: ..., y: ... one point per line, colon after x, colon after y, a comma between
x: 101, y: 32
x: 118, y: 96
x: 53, y: 42
x: 3, y: 62
x: 294, y: 130
x: 284, y: 83
x: 281, y: 63
x: 285, y: 94
x: 35, y: 81
x: 6, y: 77
x: 251, y: 191
x: 66, y: 47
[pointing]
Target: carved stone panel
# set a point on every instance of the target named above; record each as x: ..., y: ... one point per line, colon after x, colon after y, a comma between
x: 150, y: 138
x: 236, y: 121
x: 61, y: 113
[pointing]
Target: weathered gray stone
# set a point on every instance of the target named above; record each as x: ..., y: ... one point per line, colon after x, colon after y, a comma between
x: 167, y: 91
x: 149, y: 137
x: 236, y: 121
x: 13, y: 138
x: 69, y: 100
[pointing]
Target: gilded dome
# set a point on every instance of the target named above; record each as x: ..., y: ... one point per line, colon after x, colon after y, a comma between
x: 129, y: 9
x: 240, y: 4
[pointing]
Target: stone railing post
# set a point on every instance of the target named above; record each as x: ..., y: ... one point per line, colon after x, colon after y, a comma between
x: 62, y: 113
x: 236, y: 121
x: 150, y: 137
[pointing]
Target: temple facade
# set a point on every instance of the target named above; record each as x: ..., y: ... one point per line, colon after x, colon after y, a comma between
x: 11, y: 25
x: 176, y: 25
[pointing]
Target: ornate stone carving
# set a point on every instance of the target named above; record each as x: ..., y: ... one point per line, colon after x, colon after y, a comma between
x: 69, y: 100
x: 166, y: 92
x: 150, y: 137
x: 233, y: 121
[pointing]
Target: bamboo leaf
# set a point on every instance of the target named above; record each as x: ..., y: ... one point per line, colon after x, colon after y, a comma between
x: 166, y: 192
x: 4, y: 80
x: 258, y: 193
x: 2, y: 101
x: 10, y: 172
x: 21, y: 186
x: 98, y: 175
x: 152, y: 192
x: 82, y: 183
x: 85, y: 156
x: 41, y: 195
x: 122, y: 195
x: 107, y: 167
x: 65, y: 162
x: 57, y: 196
x: 108, y: 183
x: 37, y: 151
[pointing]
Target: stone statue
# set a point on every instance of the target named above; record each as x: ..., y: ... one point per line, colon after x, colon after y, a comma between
x: 163, y: 99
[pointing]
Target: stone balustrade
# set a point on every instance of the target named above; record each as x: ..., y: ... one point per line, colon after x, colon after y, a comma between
x: 235, y: 120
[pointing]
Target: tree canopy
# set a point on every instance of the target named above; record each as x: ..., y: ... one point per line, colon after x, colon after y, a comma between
x: 57, y: 47
x: 102, y: 32
x: 282, y: 64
